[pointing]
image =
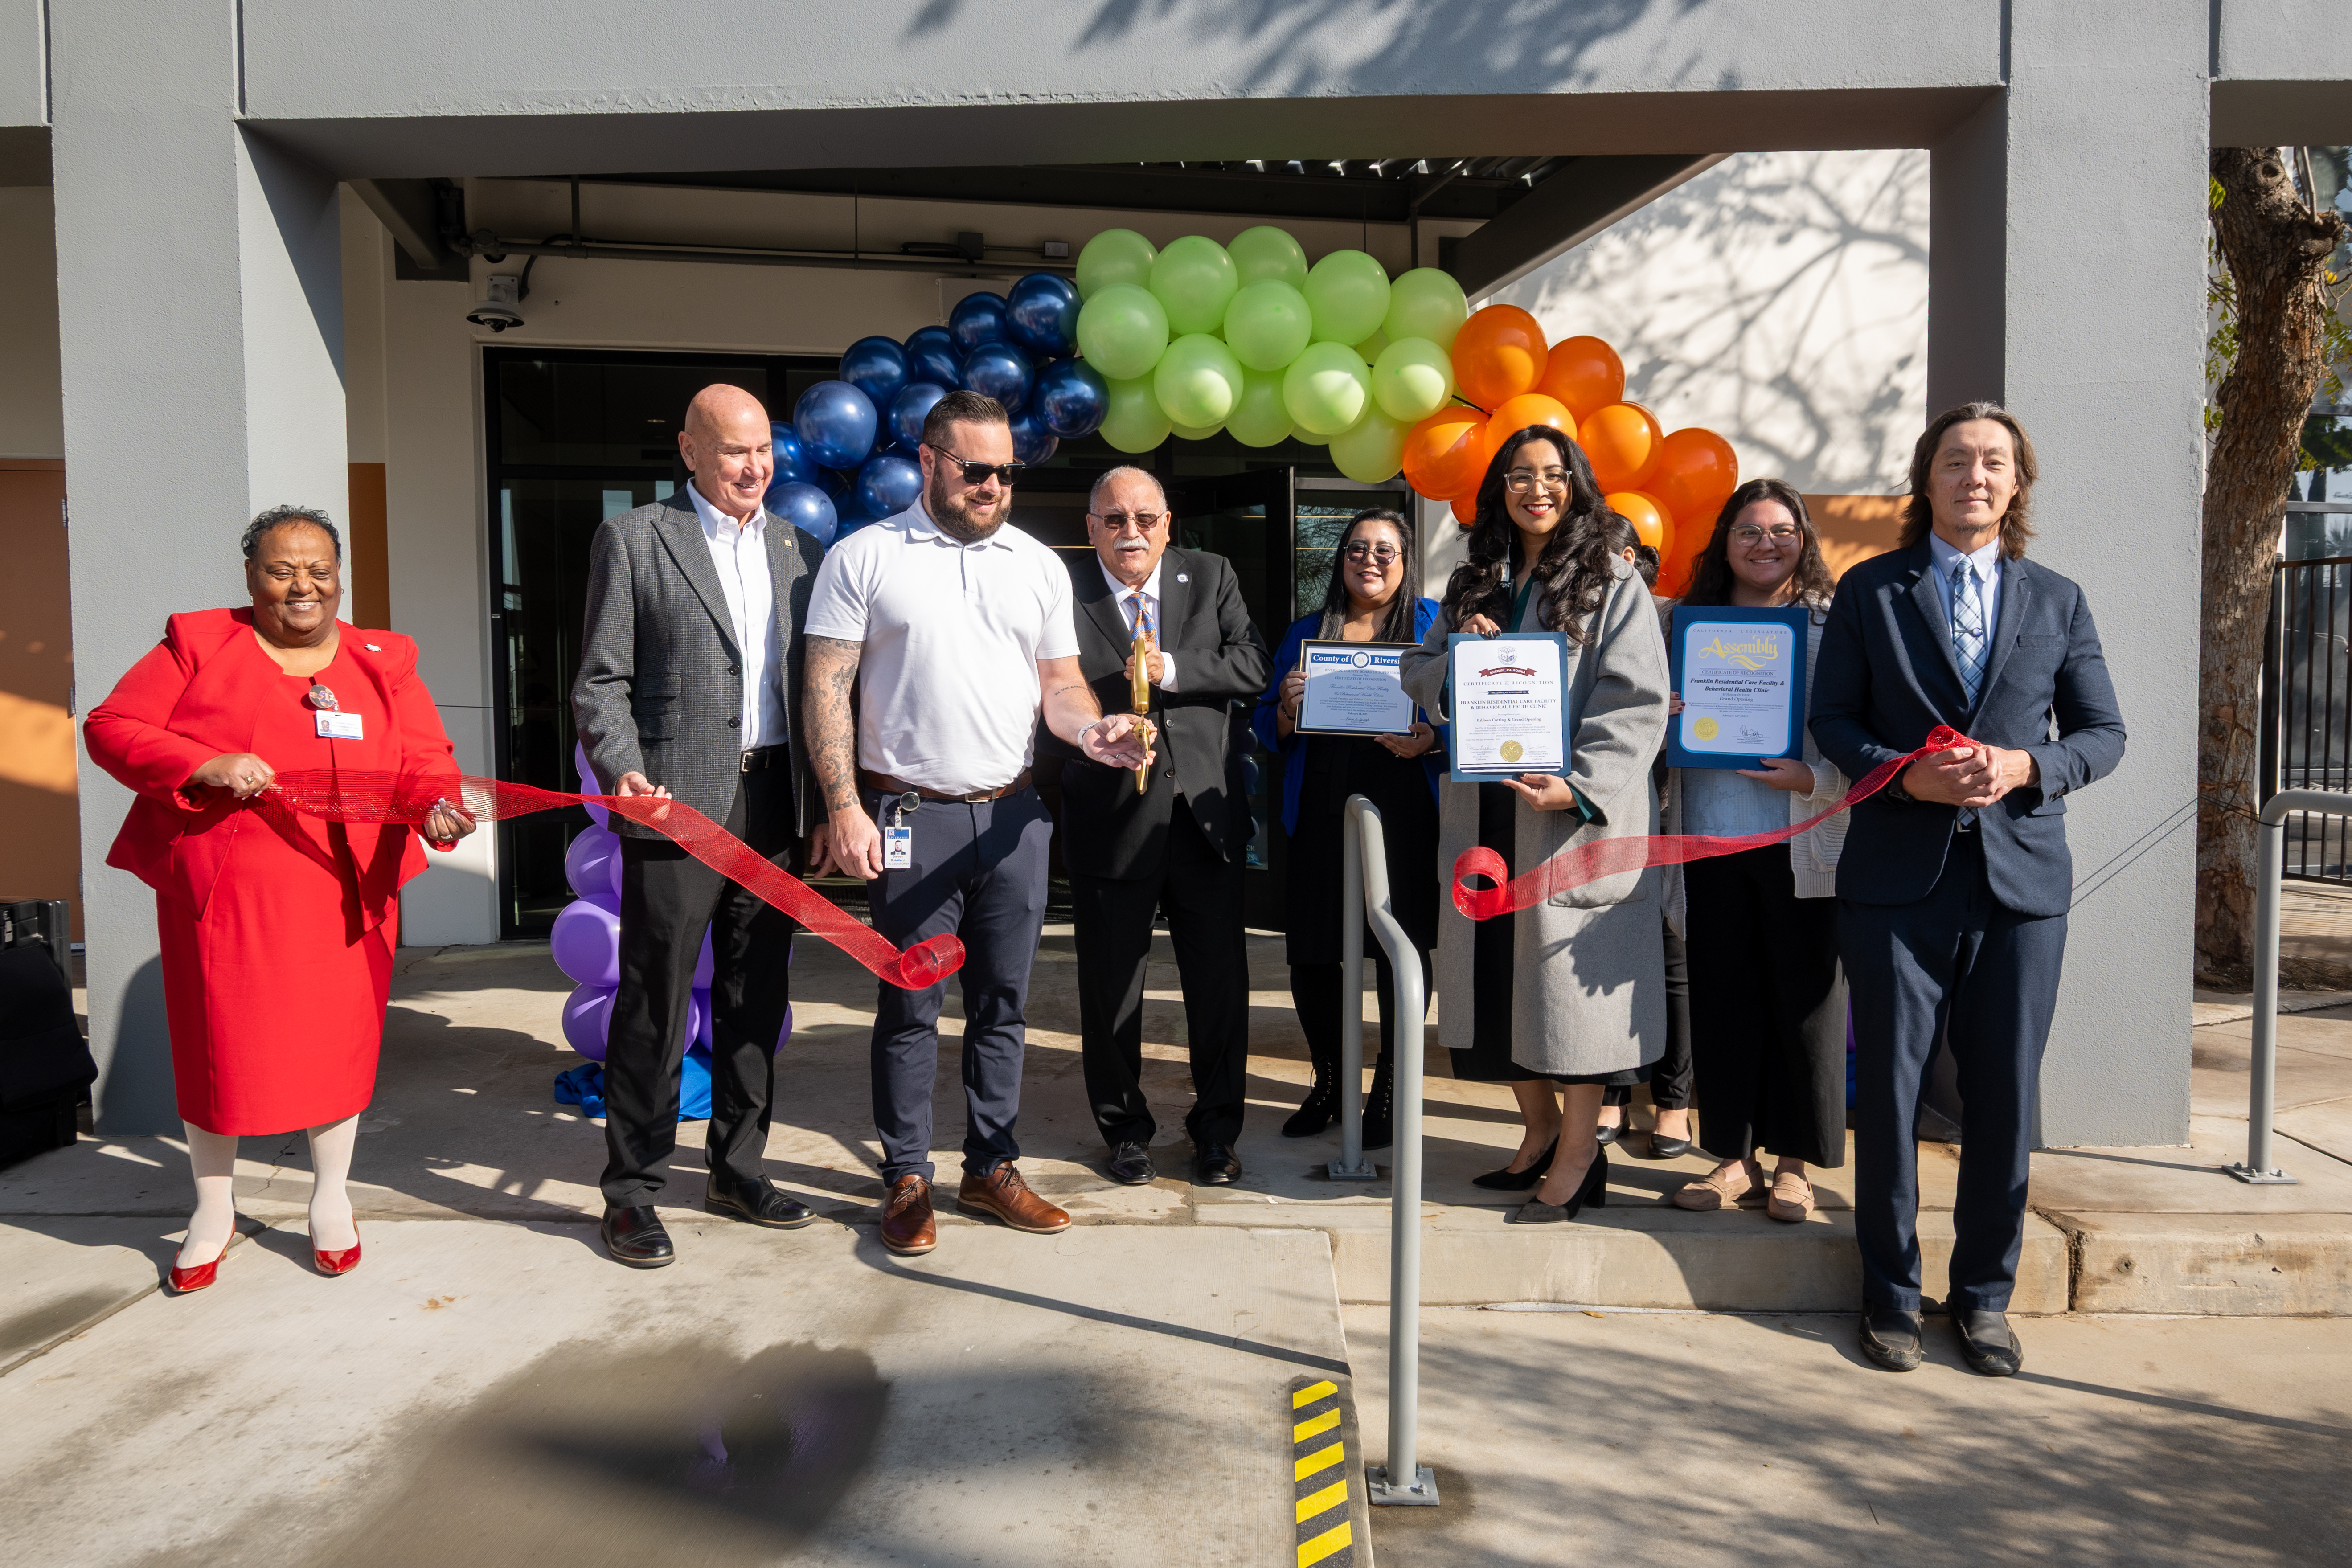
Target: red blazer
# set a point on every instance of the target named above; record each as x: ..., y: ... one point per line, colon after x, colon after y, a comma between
x: 192, y: 698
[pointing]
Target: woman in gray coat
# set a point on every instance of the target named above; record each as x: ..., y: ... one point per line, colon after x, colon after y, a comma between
x: 1566, y: 997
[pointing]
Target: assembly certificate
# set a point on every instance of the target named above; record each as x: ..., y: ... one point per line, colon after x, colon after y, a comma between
x: 1741, y: 677
x: 1509, y: 704
x: 1353, y: 689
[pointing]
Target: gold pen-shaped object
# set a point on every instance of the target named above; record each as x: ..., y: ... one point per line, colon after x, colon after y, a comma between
x: 1139, y: 692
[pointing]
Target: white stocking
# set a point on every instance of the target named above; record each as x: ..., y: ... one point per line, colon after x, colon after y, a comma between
x: 332, y: 1227
x: 212, y: 1158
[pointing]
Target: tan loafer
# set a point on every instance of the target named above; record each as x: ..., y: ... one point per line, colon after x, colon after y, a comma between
x: 1791, y: 1200
x: 1742, y: 1183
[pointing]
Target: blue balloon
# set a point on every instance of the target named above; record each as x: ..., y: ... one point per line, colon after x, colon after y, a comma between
x: 877, y: 367
x: 1040, y: 315
x: 837, y: 484
x: 1071, y: 397
x: 793, y: 465
x: 998, y: 371
x: 932, y: 356
x: 977, y: 318
x: 836, y: 423
x: 888, y: 484
x: 907, y: 411
x: 1032, y: 442
x: 805, y: 506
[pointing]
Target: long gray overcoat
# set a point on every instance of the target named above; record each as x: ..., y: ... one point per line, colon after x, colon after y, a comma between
x: 1589, y: 991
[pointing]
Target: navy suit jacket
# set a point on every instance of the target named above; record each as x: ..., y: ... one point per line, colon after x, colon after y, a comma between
x: 1887, y: 676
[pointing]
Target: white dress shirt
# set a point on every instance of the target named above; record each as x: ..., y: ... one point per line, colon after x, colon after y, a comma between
x: 1987, y: 562
x: 740, y: 554
x: 1125, y: 599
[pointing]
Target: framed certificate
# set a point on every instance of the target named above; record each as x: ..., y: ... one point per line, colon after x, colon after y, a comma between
x: 1508, y: 705
x: 1741, y: 674
x: 1353, y: 689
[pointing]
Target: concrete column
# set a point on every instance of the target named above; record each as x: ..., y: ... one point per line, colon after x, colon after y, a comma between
x: 201, y: 328
x: 2068, y: 229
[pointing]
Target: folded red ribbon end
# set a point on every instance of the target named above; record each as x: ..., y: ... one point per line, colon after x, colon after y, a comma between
x: 927, y: 963
x: 1481, y: 903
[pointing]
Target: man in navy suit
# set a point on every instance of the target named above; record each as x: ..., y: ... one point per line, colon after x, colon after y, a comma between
x: 1955, y: 880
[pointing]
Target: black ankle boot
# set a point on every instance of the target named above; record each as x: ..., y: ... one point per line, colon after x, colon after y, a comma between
x: 1319, y: 1110
x: 1380, y: 1109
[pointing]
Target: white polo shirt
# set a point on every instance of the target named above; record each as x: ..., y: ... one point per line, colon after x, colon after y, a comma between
x: 953, y: 632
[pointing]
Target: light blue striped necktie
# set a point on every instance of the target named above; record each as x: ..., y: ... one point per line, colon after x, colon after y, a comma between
x: 1970, y: 641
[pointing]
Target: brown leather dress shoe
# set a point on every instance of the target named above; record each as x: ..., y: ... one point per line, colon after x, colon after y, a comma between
x: 906, y: 1223
x: 1003, y: 1194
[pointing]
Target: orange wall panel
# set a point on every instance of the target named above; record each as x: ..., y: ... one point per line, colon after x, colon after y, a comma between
x: 40, y: 824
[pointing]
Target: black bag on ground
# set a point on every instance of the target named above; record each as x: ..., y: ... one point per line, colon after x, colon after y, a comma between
x: 44, y: 1063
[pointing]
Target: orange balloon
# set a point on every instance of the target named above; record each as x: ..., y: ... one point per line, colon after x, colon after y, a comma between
x: 1441, y: 453
x: 1652, y: 524
x: 1696, y: 473
x: 1465, y: 508
x: 1623, y: 440
x: 1497, y: 354
x: 1515, y: 414
x: 1585, y: 373
x: 1679, y: 561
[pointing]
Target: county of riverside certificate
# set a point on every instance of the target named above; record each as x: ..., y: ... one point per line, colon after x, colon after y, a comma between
x: 1352, y: 689
x: 1509, y: 704
x: 1741, y: 675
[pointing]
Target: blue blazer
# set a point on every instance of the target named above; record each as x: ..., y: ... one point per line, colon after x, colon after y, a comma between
x: 1886, y: 677
x: 1286, y: 660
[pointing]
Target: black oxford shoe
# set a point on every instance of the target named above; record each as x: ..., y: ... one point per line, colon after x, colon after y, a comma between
x: 760, y: 1205
x: 635, y: 1237
x: 1890, y: 1337
x: 1216, y: 1166
x: 1130, y: 1165
x: 1989, y: 1343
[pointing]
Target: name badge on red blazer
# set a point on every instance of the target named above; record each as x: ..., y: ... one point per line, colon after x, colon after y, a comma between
x: 340, y: 727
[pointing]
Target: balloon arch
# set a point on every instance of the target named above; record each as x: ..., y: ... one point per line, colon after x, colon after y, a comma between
x: 1394, y: 375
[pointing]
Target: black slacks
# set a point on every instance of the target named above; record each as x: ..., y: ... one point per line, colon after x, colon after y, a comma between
x: 1768, y: 1011
x: 1670, y: 1078
x: 1319, y: 994
x: 668, y: 898
x: 1200, y: 893
x: 1985, y: 977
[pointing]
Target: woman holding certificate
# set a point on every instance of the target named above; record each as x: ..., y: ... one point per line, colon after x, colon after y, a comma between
x: 1355, y: 733
x: 1768, y: 999
x: 1564, y: 999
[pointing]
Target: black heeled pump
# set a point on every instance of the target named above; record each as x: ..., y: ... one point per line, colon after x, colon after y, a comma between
x: 1592, y: 1192
x: 1509, y: 1180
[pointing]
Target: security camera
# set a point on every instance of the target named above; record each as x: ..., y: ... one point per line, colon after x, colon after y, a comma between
x: 497, y: 310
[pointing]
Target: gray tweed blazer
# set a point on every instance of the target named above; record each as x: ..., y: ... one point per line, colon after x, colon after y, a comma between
x: 660, y: 688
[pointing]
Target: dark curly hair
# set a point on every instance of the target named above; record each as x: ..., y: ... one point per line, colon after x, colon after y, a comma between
x: 1580, y: 560
x: 1711, y: 580
x: 2016, y: 524
x: 279, y: 517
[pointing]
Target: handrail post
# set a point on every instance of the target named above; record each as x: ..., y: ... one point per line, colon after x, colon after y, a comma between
x: 1351, y: 1165
x: 1403, y: 1481
x: 2261, y: 1099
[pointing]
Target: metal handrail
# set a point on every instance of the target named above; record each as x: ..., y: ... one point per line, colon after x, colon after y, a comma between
x: 1365, y: 890
x: 2262, y: 1096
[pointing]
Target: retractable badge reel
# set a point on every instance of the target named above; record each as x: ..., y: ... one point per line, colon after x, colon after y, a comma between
x: 333, y: 724
x: 897, y: 839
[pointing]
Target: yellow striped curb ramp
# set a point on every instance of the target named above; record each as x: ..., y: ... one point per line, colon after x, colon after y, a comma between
x: 1327, y: 1467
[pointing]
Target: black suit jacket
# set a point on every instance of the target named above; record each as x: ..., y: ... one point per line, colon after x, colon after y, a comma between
x: 1107, y: 829
x: 1887, y: 676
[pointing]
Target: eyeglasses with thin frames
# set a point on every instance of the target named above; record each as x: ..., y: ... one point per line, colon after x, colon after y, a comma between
x: 1523, y: 481
x: 1747, y: 535
x: 1379, y: 554
x: 1119, y: 521
x: 978, y: 473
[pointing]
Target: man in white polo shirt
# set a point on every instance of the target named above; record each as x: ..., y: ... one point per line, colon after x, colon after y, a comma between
x: 954, y: 629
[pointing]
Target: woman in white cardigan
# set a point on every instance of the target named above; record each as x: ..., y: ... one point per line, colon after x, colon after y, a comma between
x: 1768, y: 997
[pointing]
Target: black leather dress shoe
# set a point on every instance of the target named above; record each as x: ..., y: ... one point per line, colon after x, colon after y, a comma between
x: 1665, y: 1148
x: 1215, y: 1166
x: 1890, y: 1336
x: 760, y: 1205
x: 1130, y: 1165
x: 1989, y: 1343
x: 1605, y: 1136
x: 635, y: 1237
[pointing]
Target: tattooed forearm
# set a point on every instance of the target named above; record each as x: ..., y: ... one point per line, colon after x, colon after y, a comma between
x: 833, y: 730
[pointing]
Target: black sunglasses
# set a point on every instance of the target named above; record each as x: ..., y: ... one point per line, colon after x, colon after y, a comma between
x: 974, y: 473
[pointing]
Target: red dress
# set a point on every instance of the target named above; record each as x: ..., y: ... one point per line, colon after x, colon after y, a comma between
x: 277, y: 934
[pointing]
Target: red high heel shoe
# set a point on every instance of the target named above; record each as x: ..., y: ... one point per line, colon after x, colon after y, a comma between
x: 342, y: 1260
x: 185, y: 1280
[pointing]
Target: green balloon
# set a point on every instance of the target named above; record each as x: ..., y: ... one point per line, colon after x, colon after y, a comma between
x: 1372, y: 348
x: 1372, y: 452
x: 1134, y: 422
x: 1426, y: 303
x: 1259, y: 419
x: 1268, y: 324
x: 1412, y: 379
x: 1193, y: 432
x: 1326, y: 389
x: 1348, y: 292
x: 1268, y: 254
x: 1114, y: 255
x: 1197, y: 381
x: 1122, y: 331
x: 1195, y: 279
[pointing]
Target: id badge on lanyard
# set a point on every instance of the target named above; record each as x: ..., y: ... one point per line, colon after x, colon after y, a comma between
x: 333, y: 724
x: 897, y: 838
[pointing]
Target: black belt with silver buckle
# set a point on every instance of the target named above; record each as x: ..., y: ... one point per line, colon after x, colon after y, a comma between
x: 765, y: 757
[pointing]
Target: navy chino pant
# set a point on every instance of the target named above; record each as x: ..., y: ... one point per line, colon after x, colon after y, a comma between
x: 1956, y: 962
x: 980, y: 872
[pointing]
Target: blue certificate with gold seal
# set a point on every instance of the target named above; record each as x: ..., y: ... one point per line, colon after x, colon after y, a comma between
x: 1741, y: 676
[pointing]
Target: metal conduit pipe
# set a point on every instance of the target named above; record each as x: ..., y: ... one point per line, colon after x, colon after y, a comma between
x: 498, y: 247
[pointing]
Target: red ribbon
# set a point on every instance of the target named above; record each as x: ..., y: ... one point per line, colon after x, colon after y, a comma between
x: 1582, y: 863
x: 359, y: 796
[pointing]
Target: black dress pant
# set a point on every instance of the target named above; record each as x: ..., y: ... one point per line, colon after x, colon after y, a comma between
x: 1319, y: 995
x: 1768, y: 1011
x: 1200, y: 892
x: 1670, y: 1076
x: 668, y: 898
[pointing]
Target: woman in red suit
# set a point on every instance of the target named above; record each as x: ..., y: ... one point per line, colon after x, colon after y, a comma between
x: 278, y: 929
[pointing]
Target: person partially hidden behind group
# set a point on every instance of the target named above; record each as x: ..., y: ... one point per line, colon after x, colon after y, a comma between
x: 1569, y: 996
x: 1372, y: 597
x: 278, y: 929
x: 1767, y: 998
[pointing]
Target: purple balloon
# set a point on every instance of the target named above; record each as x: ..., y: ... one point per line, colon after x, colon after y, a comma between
x: 588, y: 865
x: 588, y: 1019
x: 836, y: 423
x: 588, y: 785
x: 1040, y: 315
x: 998, y: 371
x: 977, y: 318
x: 932, y: 356
x: 587, y: 943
